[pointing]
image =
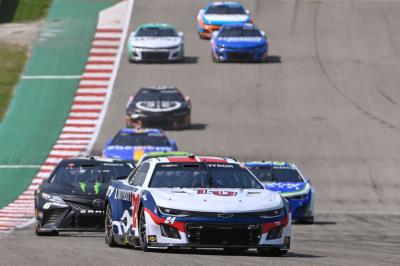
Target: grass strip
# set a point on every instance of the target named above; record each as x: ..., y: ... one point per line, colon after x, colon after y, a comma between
x: 13, y: 58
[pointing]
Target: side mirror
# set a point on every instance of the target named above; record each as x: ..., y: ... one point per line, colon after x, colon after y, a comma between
x: 263, y: 33
x: 308, y: 180
x: 180, y: 34
x: 247, y: 12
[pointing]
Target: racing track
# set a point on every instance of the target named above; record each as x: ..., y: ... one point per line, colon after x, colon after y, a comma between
x: 327, y: 100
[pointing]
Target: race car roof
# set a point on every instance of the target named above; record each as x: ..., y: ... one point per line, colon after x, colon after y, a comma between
x: 142, y: 130
x: 269, y: 164
x: 194, y: 159
x: 156, y: 25
x: 93, y: 160
x: 221, y: 3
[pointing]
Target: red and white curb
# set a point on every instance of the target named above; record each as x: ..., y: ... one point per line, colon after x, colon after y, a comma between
x: 87, y: 111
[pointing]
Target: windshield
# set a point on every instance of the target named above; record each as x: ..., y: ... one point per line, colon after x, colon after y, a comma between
x: 203, y: 175
x: 239, y: 32
x: 158, y: 95
x: 226, y: 10
x: 284, y: 175
x: 140, y: 139
x: 156, y: 32
x: 76, y: 173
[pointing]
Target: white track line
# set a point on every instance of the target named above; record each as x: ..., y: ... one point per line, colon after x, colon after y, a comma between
x: 114, y: 76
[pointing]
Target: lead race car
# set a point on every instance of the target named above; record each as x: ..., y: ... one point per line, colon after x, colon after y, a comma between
x: 196, y: 202
x: 286, y: 178
x: 239, y: 42
x: 156, y: 43
x: 72, y: 198
x: 217, y: 14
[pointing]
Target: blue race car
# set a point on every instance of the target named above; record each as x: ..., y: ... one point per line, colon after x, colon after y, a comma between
x: 240, y: 42
x: 285, y: 178
x: 218, y: 14
x: 132, y: 144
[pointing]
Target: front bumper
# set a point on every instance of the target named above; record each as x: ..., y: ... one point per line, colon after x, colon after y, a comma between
x: 204, y: 234
x: 301, y: 207
x: 235, y: 55
x: 159, y: 121
x: 155, y: 55
x: 72, y: 216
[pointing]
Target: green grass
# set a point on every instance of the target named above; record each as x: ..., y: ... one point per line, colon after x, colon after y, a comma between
x: 13, y: 58
x: 30, y: 10
x: 23, y: 10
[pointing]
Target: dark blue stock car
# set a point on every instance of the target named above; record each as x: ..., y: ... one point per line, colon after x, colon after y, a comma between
x: 285, y: 178
x: 132, y: 144
x: 240, y: 42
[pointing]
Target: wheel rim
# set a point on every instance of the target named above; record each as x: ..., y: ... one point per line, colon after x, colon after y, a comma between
x: 108, y: 223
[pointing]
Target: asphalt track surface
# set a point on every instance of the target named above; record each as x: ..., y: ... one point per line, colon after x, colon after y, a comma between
x: 328, y: 99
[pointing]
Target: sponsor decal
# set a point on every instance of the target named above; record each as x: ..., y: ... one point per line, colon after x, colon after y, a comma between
x: 82, y: 185
x: 96, y: 187
x: 91, y: 212
x: 123, y: 194
x: 163, y: 106
x: 219, y: 165
x: 223, y: 193
x: 240, y: 39
x: 291, y: 186
x: 225, y: 215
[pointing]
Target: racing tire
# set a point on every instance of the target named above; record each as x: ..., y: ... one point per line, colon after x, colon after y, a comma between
x: 109, y: 232
x: 271, y: 252
x: 143, y: 232
x: 308, y: 220
x: 214, y: 59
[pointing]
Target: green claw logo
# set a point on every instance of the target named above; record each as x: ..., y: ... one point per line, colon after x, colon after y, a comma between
x: 97, y: 187
x: 83, y: 186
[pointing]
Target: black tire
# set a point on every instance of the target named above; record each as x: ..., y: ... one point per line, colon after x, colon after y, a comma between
x: 308, y: 220
x: 214, y: 59
x: 109, y: 232
x: 142, y: 232
x: 271, y: 252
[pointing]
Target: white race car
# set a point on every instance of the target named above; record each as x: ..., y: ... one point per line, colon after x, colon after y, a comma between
x: 156, y: 43
x: 197, y: 202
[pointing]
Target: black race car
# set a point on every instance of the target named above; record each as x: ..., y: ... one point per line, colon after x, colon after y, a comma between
x: 72, y: 198
x: 162, y: 107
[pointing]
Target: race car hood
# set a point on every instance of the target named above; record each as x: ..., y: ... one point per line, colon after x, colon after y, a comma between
x: 240, y: 42
x: 216, y: 200
x: 288, y: 187
x: 155, y: 42
x: 158, y: 106
x: 83, y: 190
x: 131, y: 152
x: 220, y: 20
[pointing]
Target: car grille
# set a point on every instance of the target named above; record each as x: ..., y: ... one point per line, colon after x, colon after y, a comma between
x: 240, y: 55
x: 76, y: 221
x: 155, y: 55
x: 52, y: 216
x: 221, y: 234
x: 78, y: 206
